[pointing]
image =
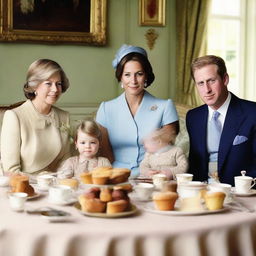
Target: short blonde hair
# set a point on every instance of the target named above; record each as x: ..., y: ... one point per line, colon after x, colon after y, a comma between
x: 161, y: 135
x: 41, y: 70
x: 89, y: 127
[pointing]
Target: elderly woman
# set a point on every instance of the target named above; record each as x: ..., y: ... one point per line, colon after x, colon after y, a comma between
x: 127, y: 119
x: 35, y: 135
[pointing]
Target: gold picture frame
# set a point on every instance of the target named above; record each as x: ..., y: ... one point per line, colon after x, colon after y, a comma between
x: 53, y: 22
x: 152, y: 12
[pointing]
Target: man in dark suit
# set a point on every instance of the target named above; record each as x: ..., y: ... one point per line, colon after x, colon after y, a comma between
x: 235, y: 150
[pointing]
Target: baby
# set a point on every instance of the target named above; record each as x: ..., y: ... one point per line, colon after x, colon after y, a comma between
x: 162, y: 156
x: 87, y: 141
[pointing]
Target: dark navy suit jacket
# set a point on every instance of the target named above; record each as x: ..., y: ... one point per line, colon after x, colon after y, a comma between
x: 237, y: 149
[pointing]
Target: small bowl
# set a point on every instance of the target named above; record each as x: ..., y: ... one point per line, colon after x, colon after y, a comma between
x: 4, y: 181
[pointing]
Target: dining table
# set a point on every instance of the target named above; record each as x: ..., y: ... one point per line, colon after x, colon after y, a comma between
x: 228, y: 232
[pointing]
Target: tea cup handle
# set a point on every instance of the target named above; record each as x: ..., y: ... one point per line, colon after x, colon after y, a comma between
x: 254, y: 182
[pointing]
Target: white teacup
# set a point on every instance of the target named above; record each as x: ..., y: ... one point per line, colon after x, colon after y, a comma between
x: 183, y: 177
x: 144, y: 190
x: 243, y: 184
x: 159, y: 180
x: 60, y: 194
x: 190, y: 188
x: 221, y: 187
x: 17, y: 201
x: 45, y: 181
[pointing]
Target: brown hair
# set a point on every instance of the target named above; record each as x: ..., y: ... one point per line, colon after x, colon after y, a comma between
x: 39, y: 71
x: 209, y: 60
x: 143, y: 60
x: 89, y: 127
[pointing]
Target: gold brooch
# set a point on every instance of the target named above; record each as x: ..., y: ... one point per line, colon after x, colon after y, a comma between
x: 153, y: 108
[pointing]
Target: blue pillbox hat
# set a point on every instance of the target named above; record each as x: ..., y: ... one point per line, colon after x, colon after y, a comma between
x: 124, y: 50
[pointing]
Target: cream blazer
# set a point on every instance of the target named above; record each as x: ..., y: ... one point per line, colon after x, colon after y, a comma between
x: 32, y: 142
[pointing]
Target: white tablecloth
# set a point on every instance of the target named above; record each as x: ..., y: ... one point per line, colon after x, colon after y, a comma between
x: 228, y: 233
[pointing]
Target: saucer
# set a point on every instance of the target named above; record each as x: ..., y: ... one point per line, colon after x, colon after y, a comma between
x: 56, y: 215
x: 36, y: 195
x: 250, y: 193
x: 68, y: 202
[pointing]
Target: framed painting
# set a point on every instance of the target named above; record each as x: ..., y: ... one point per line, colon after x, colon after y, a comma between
x: 53, y: 21
x: 152, y: 12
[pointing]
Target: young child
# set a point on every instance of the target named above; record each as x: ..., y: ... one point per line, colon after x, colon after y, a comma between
x: 162, y: 156
x: 87, y: 141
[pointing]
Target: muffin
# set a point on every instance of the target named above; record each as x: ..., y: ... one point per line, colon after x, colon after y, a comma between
x: 86, y: 177
x: 164, y: 201
x: 15, y: 178
x: 94, y: 205
x: 117, y: 206
x: 119, y: 193
x: 214, y: 200
x: 72, y: 183
x: 119, y: 175
x: 106, y: 195
x: 100, y: 179
x: 25, y: 187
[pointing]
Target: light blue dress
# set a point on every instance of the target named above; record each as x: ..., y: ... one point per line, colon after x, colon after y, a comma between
x: 126, y: 132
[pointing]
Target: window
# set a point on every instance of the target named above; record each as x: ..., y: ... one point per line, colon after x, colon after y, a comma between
x: 225, y: 39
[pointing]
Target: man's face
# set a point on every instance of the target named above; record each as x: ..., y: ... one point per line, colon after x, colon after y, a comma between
x: 211, y: 87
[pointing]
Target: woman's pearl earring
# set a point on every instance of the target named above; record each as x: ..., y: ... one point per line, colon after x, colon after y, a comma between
x: 122, y: 86
x: 145, y: 84
x: 35, y: 93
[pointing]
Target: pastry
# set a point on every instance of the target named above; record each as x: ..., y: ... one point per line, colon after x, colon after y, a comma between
x: 119, y: 175
x: 86, y: 177
x: 117, y: 206
x: 214, y: 200
x: 164, y: 201
x: 94, y: 205
x: 92, y: 193
x: 72, y: 183
x: 15, y: 178
x: 23, y: 186
x: 105, y: 171
x: 119, y: 193
x: 106, y: 195
x: 100, y: 179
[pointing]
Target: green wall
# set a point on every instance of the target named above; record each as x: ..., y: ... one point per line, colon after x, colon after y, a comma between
x: 89, y: 67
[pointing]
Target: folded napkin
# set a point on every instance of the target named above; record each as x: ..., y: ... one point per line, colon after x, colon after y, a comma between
x: 239, y: 139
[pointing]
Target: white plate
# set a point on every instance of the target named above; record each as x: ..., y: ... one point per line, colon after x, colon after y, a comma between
x: 64, y: 216
x: 102, y: 186
x: 149, y: 207
x: 105, y: 215
x: 250, y: 193
x: 70, y: 201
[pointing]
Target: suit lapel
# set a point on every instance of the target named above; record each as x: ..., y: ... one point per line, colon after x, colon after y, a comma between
x: 233, y: 121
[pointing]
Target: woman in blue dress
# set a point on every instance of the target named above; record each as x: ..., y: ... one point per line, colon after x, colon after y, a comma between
x: 127, y: 119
